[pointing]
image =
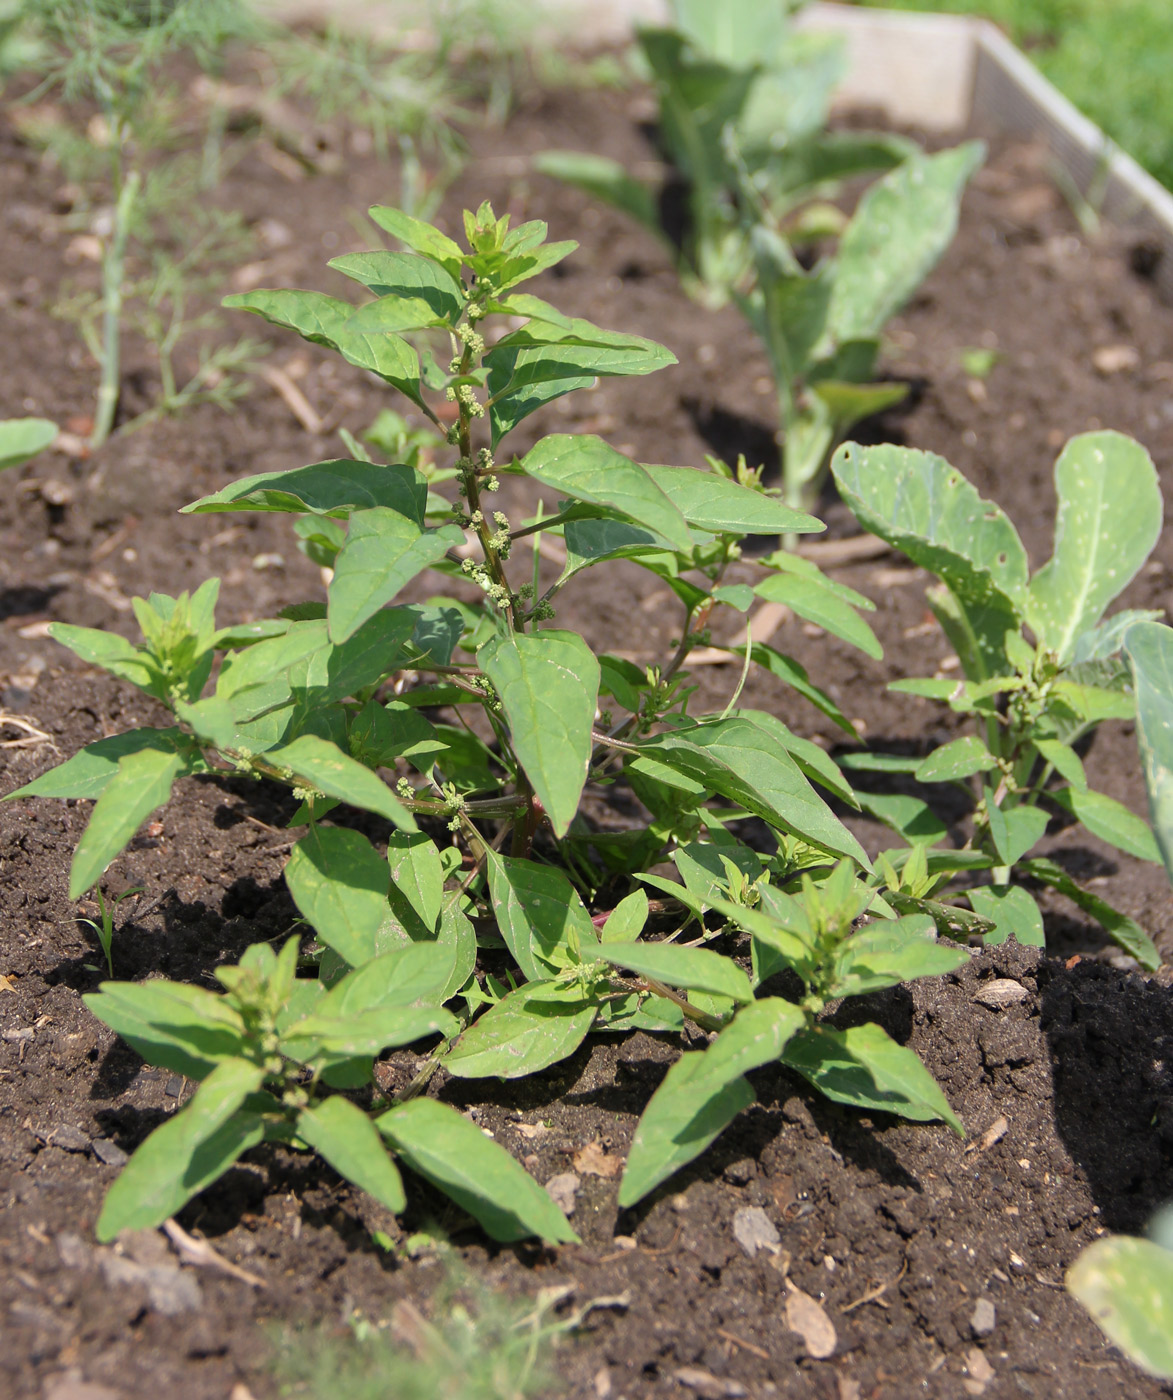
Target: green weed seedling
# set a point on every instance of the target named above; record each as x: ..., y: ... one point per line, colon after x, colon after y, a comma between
x: 821, y: 329
x: 105, y: 929
x: 484, y: 722
x: 744, y: 100
x: 111, y: 53
x: 1033, y: 700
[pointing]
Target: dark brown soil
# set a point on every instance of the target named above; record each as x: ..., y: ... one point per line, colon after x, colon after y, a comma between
x: 900, y: 1229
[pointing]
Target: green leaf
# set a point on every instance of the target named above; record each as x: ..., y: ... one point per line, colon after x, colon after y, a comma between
x: 1149, y: 647
x: 142, y: 783
x: 89, y: 771
x: 780, y: 930
x: 1108, y: 521
x: 420, y: 237
x: 185, y: 1029
x: 417, y: 875
x: 740, y: 33
x: 114, y: 654
x: 342, y: 1133
x: 925, y: 508
x: 865, y: 1067
x: 738, y: 760
x: 913, y: 818
x: 384, y: 551
x: 794, y: 674
x: 901, y: 227
x: 453, y: 1154
x: 678, y: 1125
x: 716, y: 504
x: 548, y: 682
x: 1065, y: 761
x: 540, y: 915
x: 812, y: 599
x: 890, y: 951
x: 417, y: 974
x: 1127, y: 1286
x: 327, y: 768
x: 1125, y: 931
x: 1012, y: 910
x: 528, y: 1031
x: 789, y: 307
x: 187, y: 1152
x: 332, y: 488
x: 413, y: 291
x: 959, y: 759
x: 313, y: 315
x: 604, y: 179
x: 23, y: 438
x: 543, y: 361
x: 626, y: 921
x: 1014, y: 830
x: 339, y: 882
x: 368, y: 1032
x: 586, y: 468
x: 1111, y: 821
x: 814, y: 761
x: 695, y: 969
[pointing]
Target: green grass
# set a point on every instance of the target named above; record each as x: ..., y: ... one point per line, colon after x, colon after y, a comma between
x: 1112, y: 58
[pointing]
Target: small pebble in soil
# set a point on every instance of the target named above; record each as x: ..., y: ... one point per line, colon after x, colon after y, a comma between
x: 708, y: 1386
x: 753, y: 1230
x: 563, y: 1190
x: 984, y: 1319
x: 109, y: 1152
x: 1000, y: 992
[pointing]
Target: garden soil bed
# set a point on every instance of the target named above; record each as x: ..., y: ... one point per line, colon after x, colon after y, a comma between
x: 901, y: 1230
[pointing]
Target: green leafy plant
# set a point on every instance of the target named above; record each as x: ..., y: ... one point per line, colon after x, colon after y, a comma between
x: 105, y: 929
x: 1148, y: 646
x: 338, y: 700
x: 743, y: 110
x: 266, y: 1055
x: 1032, y: 699
x: 821, y: 328
x: 111, y: 54
x: 1127, y: 1285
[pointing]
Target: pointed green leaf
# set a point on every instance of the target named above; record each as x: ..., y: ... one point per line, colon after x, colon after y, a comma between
x: 417, y: 974
x: 480, y: 1176
x: 114, y: 654
x: 901, y: 227
x: 744, y: 763
x: 23, y: 438
x: 428, y: 293
x: 339, y: 882
x: 1149, y: 647
x: 626, y: 921
x: 959, y: 759
x: 185, y: 1029
x: 865, y: 1067
x: 342, y: 1133
x: 325, y: 488
x: 142, y: 783
x: 531, y: 1029
x: 1125, y: 931
x: 1014, y: 830
x: 912, y: 818
x: 1127, y: 1286
x: 417, y: 875
x: 1109, y: 519
x: 420, y: 237
x: 1111, y: 821
x: 541, y: 917
x: 716, y: 504
x: 890, y: 951
x: 384, y: 551
x: 89, y: 771
x: 678, y: 1124
x: 811, y: 598
x: 313, y: 315
x: 694, y: 969
x: 588, y: 469
x: 794, y: 674
x: 1012, y: 910
x: 327, y: 768
x: 548, y: 682
x: 925, y: 508
x: 366, y: 1032
x: 186, y: 1153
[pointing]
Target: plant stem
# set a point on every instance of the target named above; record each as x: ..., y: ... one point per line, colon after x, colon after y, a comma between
x: 113, y: 271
